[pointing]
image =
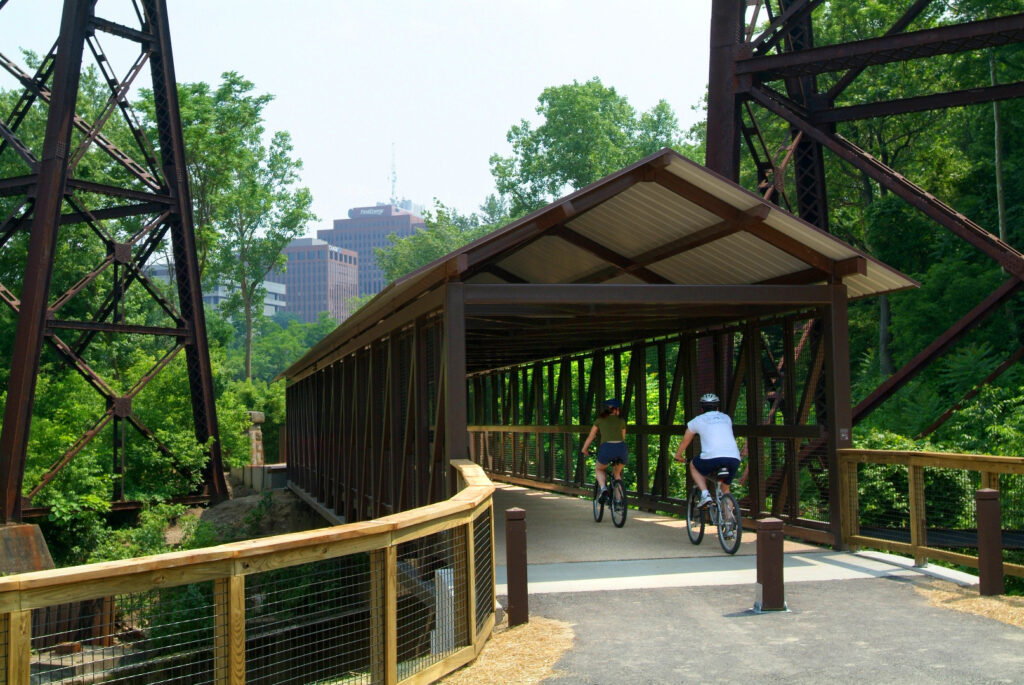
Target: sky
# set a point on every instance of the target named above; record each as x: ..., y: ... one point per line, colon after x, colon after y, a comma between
x: 425, y: 89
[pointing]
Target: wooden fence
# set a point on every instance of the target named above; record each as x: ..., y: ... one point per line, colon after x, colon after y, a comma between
x: 982, y: 471
x: 406, y: 598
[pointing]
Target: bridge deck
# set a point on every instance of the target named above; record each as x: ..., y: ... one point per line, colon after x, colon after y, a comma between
x: 568, y: 552
x: 561, y: 529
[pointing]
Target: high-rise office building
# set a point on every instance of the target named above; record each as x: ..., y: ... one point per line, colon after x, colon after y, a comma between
x: 319, y: 278
x: 367, y: 228
x: 274, y: 299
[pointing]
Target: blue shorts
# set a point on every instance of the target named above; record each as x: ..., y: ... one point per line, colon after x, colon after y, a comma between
x: 708, y: 466
x: 607, y: 451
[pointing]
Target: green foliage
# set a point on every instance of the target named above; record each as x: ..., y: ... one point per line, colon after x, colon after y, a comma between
x: 446, y: 230
x: 587, y: 131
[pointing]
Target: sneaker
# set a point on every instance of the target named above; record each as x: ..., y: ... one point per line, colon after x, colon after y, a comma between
x: 730, y: 534
x: 704, y: 501
x: 603, y: 498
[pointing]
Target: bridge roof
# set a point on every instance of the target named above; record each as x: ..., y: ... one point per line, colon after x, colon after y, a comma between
x: 626, y: 243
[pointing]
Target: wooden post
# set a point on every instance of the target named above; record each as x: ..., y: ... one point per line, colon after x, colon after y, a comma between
x: 515, y: 564
x: 989, y: 480
x: 384, y: 615
x: 19, y: 646
x: 990, y: 543
x: 229, y: 630
x: 837, y: 397
x: 771, y: 594
x: 465, y: 576
x: 918, y: 523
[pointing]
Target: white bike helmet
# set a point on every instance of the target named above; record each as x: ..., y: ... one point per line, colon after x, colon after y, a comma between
x: 709, y: 401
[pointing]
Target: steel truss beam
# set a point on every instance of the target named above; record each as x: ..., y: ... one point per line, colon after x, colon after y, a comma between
x: 152, y: 191
x: 741, y: 68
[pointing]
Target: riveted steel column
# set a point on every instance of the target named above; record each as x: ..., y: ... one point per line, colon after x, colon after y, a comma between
x: 186, y: 265
x: 53, y: 174
x: 723, y: 127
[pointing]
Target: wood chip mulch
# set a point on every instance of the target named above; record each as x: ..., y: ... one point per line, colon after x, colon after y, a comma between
x: 1005, y: 608
x: 525, y: 654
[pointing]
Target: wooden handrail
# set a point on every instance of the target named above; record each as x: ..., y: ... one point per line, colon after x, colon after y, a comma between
x: 988, y: 465
x: 230, y: 563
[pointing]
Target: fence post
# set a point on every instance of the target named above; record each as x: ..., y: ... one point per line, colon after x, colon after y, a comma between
x: 771, y: 594
x: 990, y: 543
x: 19, y: 646
x: 918, y: 527
x: 515, y: 566
x: 229, y: 629
x: 384, y: 615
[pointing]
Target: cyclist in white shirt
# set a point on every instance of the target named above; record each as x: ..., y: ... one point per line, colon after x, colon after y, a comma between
x: 717, y: 446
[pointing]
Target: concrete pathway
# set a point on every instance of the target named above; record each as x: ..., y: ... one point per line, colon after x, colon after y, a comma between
x: 648, y: 607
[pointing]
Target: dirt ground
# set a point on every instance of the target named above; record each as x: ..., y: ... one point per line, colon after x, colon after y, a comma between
x: 250, y: 514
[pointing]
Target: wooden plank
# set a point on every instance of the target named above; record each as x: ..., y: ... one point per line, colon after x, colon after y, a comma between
x: 19, y: 647
x: 390, y: 623
x: 970, y: 462
x: 5, y: 628
x: 918, y: 533
x: 229, y: 630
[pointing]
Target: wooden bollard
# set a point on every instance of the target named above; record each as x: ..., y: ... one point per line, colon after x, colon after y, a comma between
x: 515, y: 566
x: 771, y: 595
x: 990, y: 543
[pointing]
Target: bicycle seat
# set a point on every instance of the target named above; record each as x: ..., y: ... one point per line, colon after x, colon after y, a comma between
x: 723, y: 472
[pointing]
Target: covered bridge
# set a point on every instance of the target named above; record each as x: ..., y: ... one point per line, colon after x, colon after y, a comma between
x: 655, y: 284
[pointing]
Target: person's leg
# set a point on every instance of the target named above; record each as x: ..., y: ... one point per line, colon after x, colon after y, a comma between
x: 617, y: 472
x: 601, y: 476
x: 698, y: 477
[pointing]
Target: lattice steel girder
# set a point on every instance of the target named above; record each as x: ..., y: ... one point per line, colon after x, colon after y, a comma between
x: 1008, y: 257
x: 49, y: 186
x: 943, y: 40
x: 28, y: 339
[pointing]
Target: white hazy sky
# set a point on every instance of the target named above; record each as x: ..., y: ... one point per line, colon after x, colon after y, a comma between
x: 440, y: 81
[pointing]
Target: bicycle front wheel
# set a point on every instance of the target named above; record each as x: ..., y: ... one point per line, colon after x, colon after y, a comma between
x: 618, y: 505
x: 598, y: 504
x: 730, y: 528
x: 694, y: 517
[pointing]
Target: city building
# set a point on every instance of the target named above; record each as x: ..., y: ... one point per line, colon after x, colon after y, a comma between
x: 367, y: 228
x: 274, y: 300
x: 319, y: 277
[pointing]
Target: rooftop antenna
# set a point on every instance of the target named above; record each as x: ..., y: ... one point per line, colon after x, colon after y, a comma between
x: 394, y: 176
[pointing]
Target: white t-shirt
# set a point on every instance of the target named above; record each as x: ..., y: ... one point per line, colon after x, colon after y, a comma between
x: 716, y: 438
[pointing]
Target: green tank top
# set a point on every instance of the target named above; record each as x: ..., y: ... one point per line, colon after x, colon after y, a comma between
x: 610, y: 428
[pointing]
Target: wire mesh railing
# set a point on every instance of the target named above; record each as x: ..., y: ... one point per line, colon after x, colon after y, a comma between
x: 411, y: 594
x: 923, y: 504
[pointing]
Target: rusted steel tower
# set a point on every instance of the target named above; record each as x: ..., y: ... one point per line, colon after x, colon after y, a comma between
x: 132, y: 217
x: 774, y: 72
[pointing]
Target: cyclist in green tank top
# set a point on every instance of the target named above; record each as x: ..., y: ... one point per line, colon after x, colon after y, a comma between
x: 612, y: 428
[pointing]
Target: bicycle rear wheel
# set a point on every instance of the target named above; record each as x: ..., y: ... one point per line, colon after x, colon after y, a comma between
x: 730, y: 529
x: 618, y: 504
x: 598, y: 504
x: 694, y: 517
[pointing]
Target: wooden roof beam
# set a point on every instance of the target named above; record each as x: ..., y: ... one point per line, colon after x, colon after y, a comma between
x: 621, y: 263
x: 758, y: 228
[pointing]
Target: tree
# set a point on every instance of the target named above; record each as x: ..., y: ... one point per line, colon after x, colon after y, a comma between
x: 446, y: 230
x: 587, y: 132
x: 246, y: 200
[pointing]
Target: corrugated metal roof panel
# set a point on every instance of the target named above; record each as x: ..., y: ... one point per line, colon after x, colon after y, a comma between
x: 551, y: 260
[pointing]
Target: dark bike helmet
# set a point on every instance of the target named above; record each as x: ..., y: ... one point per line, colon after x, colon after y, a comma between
x: 709, y: 401
x: 612, y: 403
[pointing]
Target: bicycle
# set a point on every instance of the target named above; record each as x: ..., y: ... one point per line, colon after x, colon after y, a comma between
x: 616, y: 497
x: 723, y: 512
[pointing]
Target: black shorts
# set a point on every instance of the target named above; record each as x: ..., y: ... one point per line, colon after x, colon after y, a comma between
x: 607, y: 451
x: 708, y: 466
